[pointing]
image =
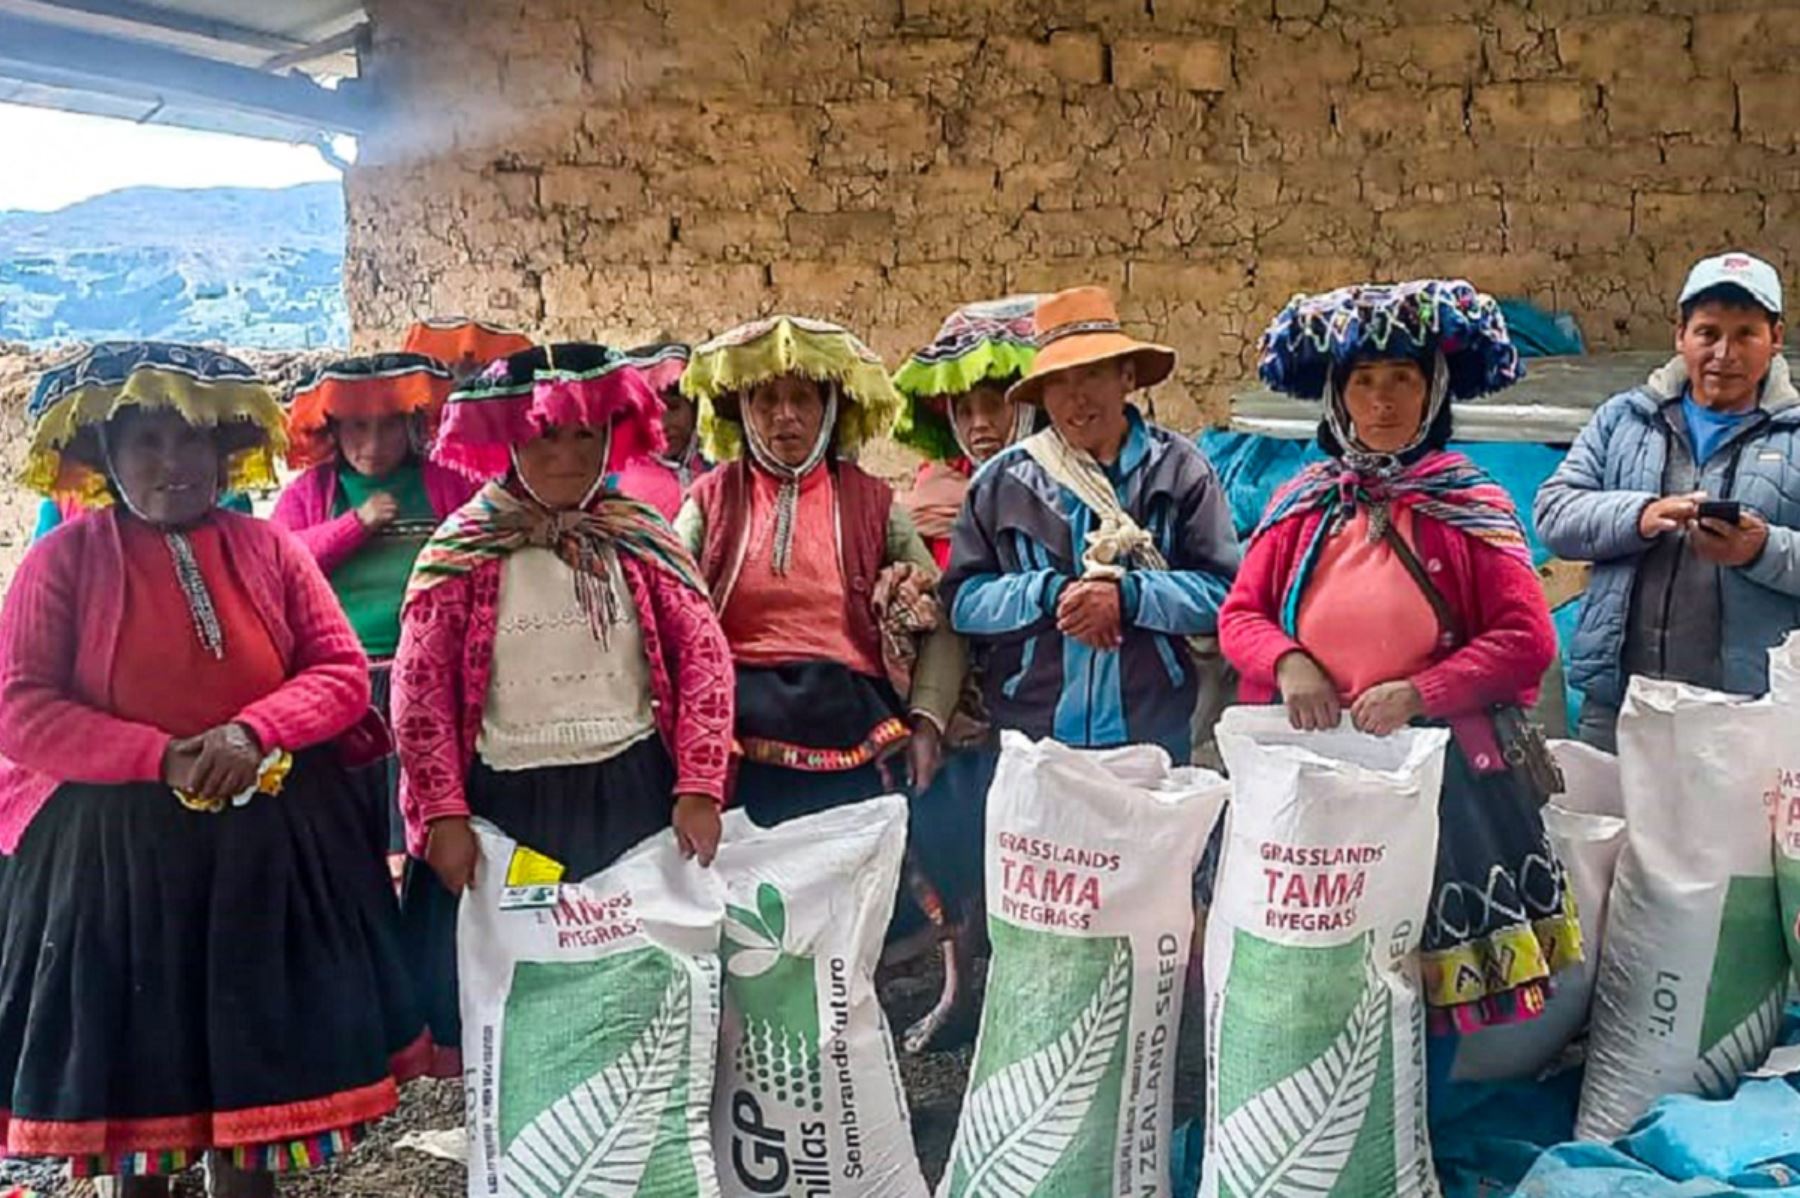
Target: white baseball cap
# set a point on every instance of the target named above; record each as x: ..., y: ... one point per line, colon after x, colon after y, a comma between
x: 1747, y: 273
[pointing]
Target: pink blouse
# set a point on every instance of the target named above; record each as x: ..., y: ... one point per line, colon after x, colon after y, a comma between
x: 1363, y: 617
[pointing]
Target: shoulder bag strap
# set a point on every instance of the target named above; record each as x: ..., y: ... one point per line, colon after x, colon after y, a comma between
x: 1446, y: 615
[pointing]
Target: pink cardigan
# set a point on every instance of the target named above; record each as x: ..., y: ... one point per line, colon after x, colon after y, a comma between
x: 304, y: 509
x: 649, y: 481
x: 446, y: 657
x: 59, y: 635
x: 1497, y: 599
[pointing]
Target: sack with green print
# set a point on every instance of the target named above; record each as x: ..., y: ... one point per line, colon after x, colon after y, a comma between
x: 808, y: 1099
x: 1693, y: 970
x: 1315, y: 1026
x: 1784, y: 693
x: 590, y: 1015
x: 1090, y: 863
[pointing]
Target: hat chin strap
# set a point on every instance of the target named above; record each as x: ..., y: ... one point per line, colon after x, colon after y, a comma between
x: 1360, y: 457
x: 787, y: 497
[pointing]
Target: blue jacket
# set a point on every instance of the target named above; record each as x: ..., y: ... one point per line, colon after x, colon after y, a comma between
x: 1589, y: 511
x: 1018, y: 542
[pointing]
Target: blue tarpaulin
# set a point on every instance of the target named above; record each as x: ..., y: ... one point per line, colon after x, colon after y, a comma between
x: 1515, y: 1140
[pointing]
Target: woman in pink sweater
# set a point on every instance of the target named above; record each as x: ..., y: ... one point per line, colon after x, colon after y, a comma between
x: 561, y: 673
x: 198, y: 948
x: 1392, y: 583
x: 663, y: 477
x: 367, y: 502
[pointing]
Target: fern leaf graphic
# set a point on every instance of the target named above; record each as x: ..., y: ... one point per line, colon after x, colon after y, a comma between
x: 596, y: 1141
x: 1743, y: 1048
x: 1022, y: 1120
x: 1295, y: 1138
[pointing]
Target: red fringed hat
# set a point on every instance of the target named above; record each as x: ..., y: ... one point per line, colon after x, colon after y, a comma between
x: 570, y: 383
x: 377, y: 385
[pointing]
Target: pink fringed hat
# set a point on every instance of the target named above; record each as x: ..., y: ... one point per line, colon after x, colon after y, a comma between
x: 516, y: 398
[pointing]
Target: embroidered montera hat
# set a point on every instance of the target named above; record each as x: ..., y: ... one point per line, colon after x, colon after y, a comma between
x: 729, y: 365
x: 208, y: 388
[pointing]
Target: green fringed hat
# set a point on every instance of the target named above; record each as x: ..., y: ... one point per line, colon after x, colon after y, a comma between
x: 991, y: 341
x: 209, y: 389
x: 730, y: 364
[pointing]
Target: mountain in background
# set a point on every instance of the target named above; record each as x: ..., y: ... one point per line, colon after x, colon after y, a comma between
x: 252, y: 267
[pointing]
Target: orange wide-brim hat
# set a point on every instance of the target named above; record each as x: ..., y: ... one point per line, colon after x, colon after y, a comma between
x: 376, y: 385
x: 1079, y: 327
x: 464, y: 345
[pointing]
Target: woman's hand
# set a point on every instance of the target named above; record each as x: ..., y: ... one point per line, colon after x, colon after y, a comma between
x: 1385, y: 709
x: 378, y: 511
x: 1309, y: 693
x: 178, y: 763
x: 453, y: 852
x: 924, y: 753
x: 898, y: 577
x: 220, y: 763
x: 697, y: 827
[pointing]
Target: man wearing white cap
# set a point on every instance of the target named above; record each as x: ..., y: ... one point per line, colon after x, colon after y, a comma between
x: 1685, y: 494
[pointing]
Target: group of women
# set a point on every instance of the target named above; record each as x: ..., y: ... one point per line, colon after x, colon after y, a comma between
x: 591, y: 595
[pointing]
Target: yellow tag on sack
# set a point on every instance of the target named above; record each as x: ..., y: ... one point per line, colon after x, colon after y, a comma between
x: 529, y: 867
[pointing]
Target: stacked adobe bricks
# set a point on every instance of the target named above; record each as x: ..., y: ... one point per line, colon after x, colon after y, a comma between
x: 624, y: 169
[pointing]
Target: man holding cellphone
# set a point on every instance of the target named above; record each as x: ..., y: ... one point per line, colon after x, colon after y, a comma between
x: 1685, y: 495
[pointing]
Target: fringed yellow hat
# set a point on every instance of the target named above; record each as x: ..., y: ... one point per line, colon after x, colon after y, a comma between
x: 209, y: 389
x: 730, y: 364
x: 993, y: 341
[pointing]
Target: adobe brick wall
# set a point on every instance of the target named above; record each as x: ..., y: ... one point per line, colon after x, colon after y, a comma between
x: 629, y: 170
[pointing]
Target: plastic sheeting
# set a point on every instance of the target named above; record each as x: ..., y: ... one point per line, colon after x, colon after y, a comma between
x: 1514, y: 1140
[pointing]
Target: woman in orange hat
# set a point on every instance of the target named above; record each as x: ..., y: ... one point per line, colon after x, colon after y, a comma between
x: 464, y: 346
x: 366, y: 504
x: 1083, y: 570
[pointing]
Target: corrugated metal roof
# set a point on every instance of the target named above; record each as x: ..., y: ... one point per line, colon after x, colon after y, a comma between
x: 1551, y: 405
x: 270, y: 69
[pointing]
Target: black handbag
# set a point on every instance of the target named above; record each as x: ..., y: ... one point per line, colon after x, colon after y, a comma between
x: 1521, y: 738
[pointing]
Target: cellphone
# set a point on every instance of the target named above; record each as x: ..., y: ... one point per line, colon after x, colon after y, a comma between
x: 1728, y: 510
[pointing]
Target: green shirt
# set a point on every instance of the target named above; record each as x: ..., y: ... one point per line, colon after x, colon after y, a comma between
x: 371, y: 582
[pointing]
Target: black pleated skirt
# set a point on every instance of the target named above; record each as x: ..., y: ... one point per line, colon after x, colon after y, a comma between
x: 814, y: 735
x: 377, y: 785
x: 585, y: 816
x: 173, y: 981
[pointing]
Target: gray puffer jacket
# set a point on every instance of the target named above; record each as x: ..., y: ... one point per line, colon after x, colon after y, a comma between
x: 1623, y: 460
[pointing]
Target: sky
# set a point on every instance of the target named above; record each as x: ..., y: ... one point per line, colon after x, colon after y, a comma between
x: 45, y: 175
